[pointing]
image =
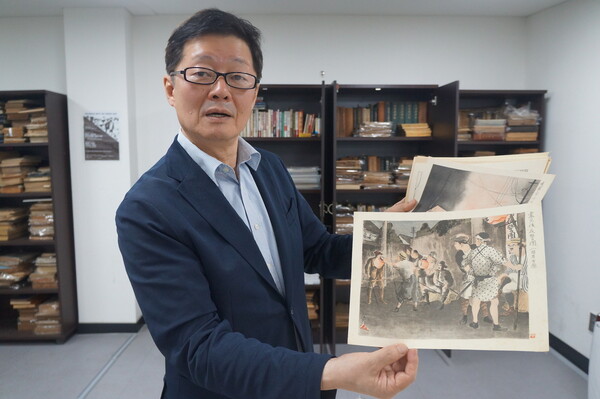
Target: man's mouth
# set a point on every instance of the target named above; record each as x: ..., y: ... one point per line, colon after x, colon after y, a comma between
x: 217, y: 115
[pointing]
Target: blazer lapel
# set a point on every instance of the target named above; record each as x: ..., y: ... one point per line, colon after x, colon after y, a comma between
x: 206, y: 198
x: 271, y: 196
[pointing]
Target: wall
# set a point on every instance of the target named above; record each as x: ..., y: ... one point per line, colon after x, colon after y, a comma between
x: 32, y: 54
x: 99, y: 79
x: 564, y: 58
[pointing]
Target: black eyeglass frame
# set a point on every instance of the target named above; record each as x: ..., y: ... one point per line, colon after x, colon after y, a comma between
x: 217, y: 74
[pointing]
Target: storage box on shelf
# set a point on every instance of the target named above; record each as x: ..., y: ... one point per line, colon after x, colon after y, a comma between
x: 37, y: 291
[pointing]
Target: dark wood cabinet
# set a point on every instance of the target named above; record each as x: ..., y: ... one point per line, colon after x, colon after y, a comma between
x: 440, y: 107
x: 55, y: 154
x: 493, y: 102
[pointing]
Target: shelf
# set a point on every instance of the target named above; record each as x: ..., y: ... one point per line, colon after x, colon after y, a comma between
x: 506, y: 143
x: 27, y: 291
x: 372, y: 191
x: 281, y: 139
x: 23, y: 145
x: 9, y: 332
x: 26, y: 242
x: 393, y: 138
x: 311, y: 191
x: 26, y: 195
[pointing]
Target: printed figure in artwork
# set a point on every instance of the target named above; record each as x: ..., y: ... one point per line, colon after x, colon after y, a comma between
x: 462, y: 247
x: 486, y: 263
x: 435, y: 278
x: 427, y: 267
x: 374, y: 269
x: 518, y: 283
x: 406, y: 271
x: 443, y: 280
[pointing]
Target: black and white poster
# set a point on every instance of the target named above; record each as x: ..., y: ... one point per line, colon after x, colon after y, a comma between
x: 101, y: 135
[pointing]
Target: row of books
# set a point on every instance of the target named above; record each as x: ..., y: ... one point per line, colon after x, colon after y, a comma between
x: 499, y: 124
x: 306, y: 177
x: 344, y: 215
x: 372, y: 172
x: 397, y: 113
x: 23, y: 120
x: 22, y: 174
x: 39, y: 314
x: 312, y: 305
x: 36, y: 222
x: 488, y: 153
x: 28, y: 268
x: 282, y: 123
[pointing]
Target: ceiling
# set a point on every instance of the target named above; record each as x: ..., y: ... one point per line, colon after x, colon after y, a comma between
x: 495, y: 8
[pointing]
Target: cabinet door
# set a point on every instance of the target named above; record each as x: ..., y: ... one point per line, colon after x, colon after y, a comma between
x: 444, y: 118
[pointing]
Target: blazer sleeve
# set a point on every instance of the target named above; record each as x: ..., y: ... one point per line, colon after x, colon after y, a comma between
x: 175, y: 298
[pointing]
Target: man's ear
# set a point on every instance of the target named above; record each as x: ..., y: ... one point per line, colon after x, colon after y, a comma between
x: 169, y: 86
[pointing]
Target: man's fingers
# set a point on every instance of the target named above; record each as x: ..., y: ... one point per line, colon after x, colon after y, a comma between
x: 391, y: 354
x: 402, y: 206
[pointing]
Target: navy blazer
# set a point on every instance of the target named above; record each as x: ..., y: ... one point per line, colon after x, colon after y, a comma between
x: 204, y: 289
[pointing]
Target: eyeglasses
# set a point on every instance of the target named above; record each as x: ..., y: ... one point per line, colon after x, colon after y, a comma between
x: 207, y: 76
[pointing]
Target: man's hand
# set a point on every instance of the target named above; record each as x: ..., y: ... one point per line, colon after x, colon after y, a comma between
x: 381, y: 374
x: 402, y: 206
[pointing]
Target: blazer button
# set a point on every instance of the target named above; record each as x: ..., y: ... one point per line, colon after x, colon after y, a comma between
x: 292, y: 312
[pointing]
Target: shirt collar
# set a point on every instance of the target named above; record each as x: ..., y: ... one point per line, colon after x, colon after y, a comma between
x: 246, y: 154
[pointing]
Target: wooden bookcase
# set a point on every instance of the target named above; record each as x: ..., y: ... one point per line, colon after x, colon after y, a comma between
x: 443, y: 105
x: 437, y: 109
x: 498, y: 99
x: 55, y: 154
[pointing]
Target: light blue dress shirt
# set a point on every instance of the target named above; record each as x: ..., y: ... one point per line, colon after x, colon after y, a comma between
x: 244, y: 197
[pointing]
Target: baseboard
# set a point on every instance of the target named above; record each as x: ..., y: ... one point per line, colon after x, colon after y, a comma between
x: 578, y: 360
x: 95, y: 328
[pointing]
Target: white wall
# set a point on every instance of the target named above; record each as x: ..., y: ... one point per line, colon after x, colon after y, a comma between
x: 32, y: 54
x: 483, y: 53
x: 99, y: 79
x: 564, y: 58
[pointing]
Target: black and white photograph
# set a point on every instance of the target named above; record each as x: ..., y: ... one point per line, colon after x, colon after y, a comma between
x: 441, y: 185
x: 451, y: 280
x: 101, y: 135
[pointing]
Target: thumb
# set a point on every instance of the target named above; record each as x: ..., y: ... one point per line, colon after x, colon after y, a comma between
x: 390, y: 354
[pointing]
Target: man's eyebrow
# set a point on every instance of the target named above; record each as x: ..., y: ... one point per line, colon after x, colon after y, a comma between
x: 206, y: 57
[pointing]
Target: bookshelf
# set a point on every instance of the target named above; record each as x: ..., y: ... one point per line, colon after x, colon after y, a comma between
x: 440, y: 107
x: 53, y: 154
x: 489, y: 104
x: 384, y: 155
x: 297, y: 153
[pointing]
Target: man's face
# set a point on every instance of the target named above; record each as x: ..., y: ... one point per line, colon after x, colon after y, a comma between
x: 212, y: 115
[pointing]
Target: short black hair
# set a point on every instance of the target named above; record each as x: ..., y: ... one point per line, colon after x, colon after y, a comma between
x: 213, y: 21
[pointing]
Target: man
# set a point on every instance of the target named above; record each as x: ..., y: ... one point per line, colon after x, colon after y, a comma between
x: 216, y: 240
x: 462, y: 247
x: 374, y: 268
x: 486, y: 263
x: 428, y: 266
x: 443, y: 280
x: 402, y: 272
x: 516, y: 273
